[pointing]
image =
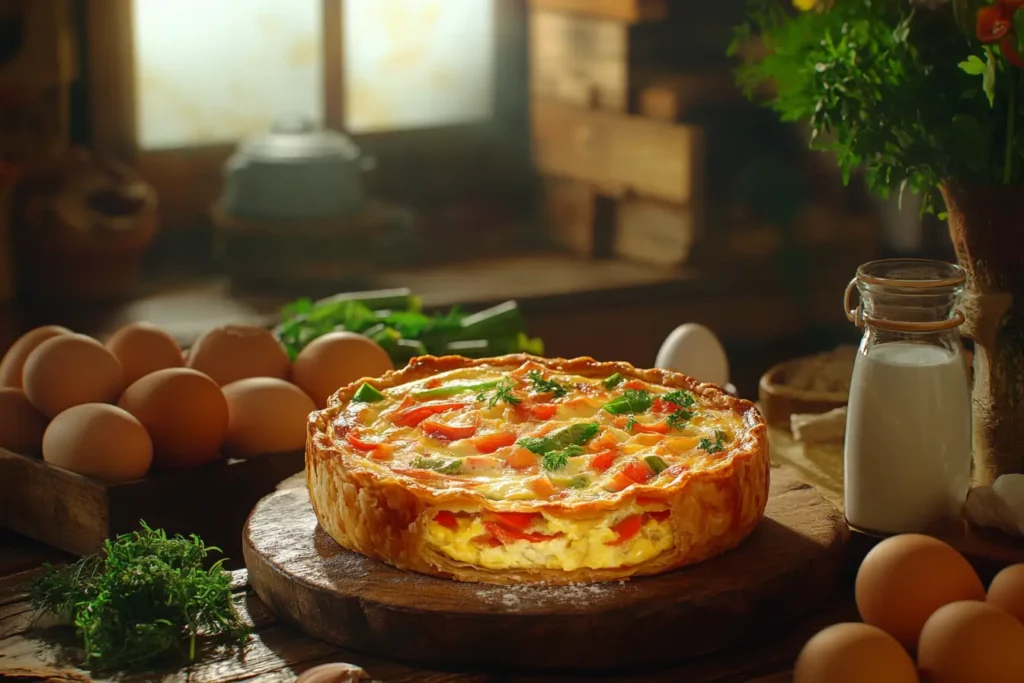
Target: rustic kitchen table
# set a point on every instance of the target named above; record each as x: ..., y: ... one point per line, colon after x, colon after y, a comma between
x: 277, y: 651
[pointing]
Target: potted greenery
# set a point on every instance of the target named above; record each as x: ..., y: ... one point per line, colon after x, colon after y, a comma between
x: 923, y: 95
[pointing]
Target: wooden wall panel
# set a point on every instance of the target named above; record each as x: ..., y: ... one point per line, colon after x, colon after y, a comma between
x: 619, y: 10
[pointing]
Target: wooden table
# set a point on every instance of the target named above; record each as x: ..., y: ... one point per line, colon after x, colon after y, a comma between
x: 278, y: 652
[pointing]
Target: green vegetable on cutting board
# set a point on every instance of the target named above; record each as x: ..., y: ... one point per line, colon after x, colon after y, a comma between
x: 393, y: 319
x: 144, y: 599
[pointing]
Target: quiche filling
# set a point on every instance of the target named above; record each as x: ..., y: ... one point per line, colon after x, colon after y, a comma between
x: 531, y: 436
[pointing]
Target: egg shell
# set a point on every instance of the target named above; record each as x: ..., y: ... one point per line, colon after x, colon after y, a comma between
x: 100, y: 441
x: 336, y: 672
x: 970, y: 642
x: 695, y: 351
x: 233, y: 352
x: 266, y: 415
x: 71, y: 369
x: 13, y: 362
x: 142, y: 349
x: 854, y: 653
x: 185, y: 413
x: 336, y: 360
x: 1007, y: 591
x: 904, y: 579
x: 21, y: 424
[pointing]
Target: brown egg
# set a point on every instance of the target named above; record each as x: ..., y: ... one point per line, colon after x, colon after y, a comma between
x: 98, y: 440
x: 143, y: 348
x: 14, y: 361
x: 266, y: 415
x: 854, y: 653
x: 21, y: 424
x: 185, y: 413
x: 69, y: 370
x: 1007, y: 591
x: 904, y: 579
x: 234, y: 352
x: 333, y: 673
x: 971, y: 642
x: 335, y: 360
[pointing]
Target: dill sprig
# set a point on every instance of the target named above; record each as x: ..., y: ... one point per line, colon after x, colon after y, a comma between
x: 145, y: 599
x: 502, y: 392
x: 546, y: 386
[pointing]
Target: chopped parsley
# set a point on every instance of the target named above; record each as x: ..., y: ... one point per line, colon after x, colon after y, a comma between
x: 630, y: 423
x: 683, y: 399
x: 502, y: 392
x: 631, y: 402
x: 438, y: 465
x: 613, y: 381
x: 546, y: 386
x: 716, y: 446
x: 556, y: 460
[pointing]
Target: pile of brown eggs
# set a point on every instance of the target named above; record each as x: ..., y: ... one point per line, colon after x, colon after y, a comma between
x: 112, y: 411
x: 927, y: 617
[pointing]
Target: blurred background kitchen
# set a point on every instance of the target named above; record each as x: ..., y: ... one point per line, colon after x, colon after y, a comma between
x: 198, y: 162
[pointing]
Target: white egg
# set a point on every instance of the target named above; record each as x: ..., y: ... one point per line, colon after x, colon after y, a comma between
x: 694, y: 350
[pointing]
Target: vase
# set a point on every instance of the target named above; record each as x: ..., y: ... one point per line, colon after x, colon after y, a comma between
x: 987, y: 228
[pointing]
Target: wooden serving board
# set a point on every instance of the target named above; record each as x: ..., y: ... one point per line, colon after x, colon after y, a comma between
x: 76, y: 514
x: 787, y: 569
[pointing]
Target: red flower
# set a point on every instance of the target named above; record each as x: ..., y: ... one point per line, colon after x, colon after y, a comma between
x: 993, y: 23
x: 1008, y: 45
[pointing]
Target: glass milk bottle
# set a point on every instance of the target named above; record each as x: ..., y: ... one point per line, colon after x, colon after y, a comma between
x: 908, y: 426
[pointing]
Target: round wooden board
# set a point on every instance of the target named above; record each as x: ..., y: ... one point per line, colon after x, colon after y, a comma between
x: 788, y: 568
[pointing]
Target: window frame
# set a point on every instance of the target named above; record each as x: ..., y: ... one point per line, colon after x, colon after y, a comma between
x: 188, y: 179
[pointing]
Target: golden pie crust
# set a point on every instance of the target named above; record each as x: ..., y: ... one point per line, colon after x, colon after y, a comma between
x: 368, y: 508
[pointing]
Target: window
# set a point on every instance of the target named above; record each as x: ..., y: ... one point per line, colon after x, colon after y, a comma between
x: 214, y: 71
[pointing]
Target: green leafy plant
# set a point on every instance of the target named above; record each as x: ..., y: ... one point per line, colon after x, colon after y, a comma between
x: 145, y: 599
x: 912, y: 93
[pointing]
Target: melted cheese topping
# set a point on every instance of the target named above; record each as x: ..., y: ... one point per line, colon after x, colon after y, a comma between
x: 532, y: 434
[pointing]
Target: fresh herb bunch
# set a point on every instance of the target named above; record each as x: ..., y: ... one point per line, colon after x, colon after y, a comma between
x: 914, y: 92
x: 145, y: 599
x: 394, y: 320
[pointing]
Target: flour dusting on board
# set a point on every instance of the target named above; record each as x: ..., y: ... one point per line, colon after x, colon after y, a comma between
x: 533, y: 596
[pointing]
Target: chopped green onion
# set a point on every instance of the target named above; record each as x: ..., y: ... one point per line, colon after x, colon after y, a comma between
x: 573, y: 435
x: 455, y: 390
x: 367, y: 394
x: 656, y: 463
x: 613, y: 381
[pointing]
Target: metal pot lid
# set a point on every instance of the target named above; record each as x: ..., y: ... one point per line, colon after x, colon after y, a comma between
x: 299, y: 139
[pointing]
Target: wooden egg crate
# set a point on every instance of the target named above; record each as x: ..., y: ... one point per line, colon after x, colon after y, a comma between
x: 77, y: 514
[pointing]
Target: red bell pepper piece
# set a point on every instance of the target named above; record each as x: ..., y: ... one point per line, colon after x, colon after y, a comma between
x: 603, y: 461
x: 516, y: 520
x: 358, y: 443
x: 511, y: 535
x: 640, y: 428
x: 447, y: 432
x: 447, y: 519
x: 488, y: 443
x: 627, y: 529
x: 543, y: 411
x: 635, y: 384
x: 413, y: 416
x: 521, y: 459
x: 993, y: 24
x: 638, y: 471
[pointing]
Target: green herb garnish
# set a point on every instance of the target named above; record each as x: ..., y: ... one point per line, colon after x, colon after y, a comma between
x: 630, y: 423
x: 367, y: 394
x: 502, y: 392
x: 679, y: 418
x: 546, y: 386
x: 613, y: 381
x: 145, y: 599
x: 438, y: 465
x: 574, y: 435
x: 631, y: 402
x: 656, y: 463
x: 455, y: 390
x: 716, y: 446
x: 556, y: 460
x: 682, y: 398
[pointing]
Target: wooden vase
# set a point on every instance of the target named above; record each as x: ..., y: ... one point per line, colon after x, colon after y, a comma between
x: 987, y: 227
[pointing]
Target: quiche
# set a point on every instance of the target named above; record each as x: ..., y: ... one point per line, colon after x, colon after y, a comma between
x: 519, y: 469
